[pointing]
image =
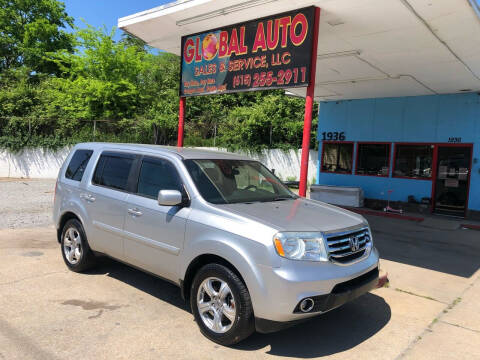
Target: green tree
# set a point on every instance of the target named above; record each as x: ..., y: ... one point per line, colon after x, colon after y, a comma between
x: 130, y: 40
x: 272, y: 120
x: 131, y: 92
x: 31, y: 28
x: 99, y: 81
x: 135, y: 90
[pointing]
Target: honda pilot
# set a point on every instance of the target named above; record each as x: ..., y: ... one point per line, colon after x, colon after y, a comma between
x: 246, y: 252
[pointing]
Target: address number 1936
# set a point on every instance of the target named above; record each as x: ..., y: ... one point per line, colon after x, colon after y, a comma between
x: 333, y: 135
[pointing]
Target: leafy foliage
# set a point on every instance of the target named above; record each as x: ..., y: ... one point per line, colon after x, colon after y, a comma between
x: 31, y: 28
x: 55, y: 87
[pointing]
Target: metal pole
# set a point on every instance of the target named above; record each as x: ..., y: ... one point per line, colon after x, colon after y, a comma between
x: 307, y: 120
x: 215, y: 135
x: 181, y: 120
x: 94, y: 129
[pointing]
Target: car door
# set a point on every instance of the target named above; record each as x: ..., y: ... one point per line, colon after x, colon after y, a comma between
x: 154, y: 234
x: 105, y: 199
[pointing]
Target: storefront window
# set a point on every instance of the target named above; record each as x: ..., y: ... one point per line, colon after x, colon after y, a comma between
x: 413, y: 161
x: 337, y: 157
x: 373, y: 159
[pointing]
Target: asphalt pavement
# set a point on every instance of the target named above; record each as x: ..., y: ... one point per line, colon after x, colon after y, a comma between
x: 428, y: 311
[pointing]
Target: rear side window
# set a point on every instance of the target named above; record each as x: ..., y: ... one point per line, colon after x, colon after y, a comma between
x: 77, y: 164
x: 156, y: 175
x: 113, y: 171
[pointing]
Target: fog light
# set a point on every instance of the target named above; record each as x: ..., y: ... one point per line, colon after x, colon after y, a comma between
x: 306, y: 305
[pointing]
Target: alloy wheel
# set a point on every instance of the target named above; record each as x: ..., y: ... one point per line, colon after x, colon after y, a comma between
x: 216, y: 305
x: 72, y: 245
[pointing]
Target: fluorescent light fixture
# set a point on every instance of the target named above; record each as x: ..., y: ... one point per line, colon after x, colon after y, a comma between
x: 227, y: 10
x: 291, y: 94
x: 339, y: 54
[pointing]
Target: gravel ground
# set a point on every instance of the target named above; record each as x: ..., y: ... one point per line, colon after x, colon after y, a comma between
x: 26, y: 202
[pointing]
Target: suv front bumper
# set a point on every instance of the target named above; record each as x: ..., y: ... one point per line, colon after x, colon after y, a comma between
x: 329, y: 284
x: 341, y: 294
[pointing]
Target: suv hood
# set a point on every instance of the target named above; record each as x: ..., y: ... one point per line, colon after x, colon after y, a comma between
x: 297, y: 215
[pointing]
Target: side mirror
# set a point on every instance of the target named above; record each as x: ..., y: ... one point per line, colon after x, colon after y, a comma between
x: 169, y: 197
x: 273, y: 171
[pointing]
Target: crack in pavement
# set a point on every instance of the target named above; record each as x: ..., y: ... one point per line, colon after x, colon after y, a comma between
x: 422, y: 296
x: 429, y: 329
x: 460, y: 326
x: 33, y: 277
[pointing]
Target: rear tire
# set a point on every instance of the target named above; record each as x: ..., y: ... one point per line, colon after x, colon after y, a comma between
x: 226, y: 315
x: 74, y: 246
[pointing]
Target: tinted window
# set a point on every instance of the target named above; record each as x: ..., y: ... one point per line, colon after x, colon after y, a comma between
x: 373, y: 159
x: 337, y: 157
x: 113, y: 171
x: 156, y: 175
x: 77, y: 164
x: 413, y: 161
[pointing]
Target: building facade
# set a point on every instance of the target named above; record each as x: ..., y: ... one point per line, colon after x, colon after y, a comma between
x: 410, y: 149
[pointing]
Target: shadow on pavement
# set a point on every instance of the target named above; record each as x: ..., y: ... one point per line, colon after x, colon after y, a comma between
x: 455, y: 252
x: 147, y: 283
x: 336, y: 331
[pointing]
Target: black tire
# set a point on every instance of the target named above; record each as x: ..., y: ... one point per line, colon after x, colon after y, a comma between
x: 87, y: 258
x: 244, y: 324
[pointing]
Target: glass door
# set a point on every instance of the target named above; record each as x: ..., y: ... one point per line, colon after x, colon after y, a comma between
x: 452, y: 180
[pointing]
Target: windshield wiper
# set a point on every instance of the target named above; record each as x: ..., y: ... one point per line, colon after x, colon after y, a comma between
x: 281, y: 198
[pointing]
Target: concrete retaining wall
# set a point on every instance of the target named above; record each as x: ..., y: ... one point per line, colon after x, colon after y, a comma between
x: 32, y: 163
x: 38, y: 163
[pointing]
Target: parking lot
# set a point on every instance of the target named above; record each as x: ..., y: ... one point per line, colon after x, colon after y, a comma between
x: 428, y: 311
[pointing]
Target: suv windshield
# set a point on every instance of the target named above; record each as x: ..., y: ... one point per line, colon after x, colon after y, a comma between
x: 236, y: 181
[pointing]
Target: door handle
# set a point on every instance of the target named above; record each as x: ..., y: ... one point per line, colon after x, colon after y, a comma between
x: 135, y: 212
x: 87, y: 197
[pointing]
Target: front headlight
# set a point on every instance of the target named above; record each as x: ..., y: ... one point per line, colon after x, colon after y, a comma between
x: 369, y: 245
x: 300, y: 246
x: 370, y: 234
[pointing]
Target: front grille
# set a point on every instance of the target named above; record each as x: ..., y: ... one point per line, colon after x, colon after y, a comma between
x: 341, y: 246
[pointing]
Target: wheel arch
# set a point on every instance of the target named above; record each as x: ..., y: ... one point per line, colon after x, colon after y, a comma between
x: 68, y: 215
x: 196, y: 264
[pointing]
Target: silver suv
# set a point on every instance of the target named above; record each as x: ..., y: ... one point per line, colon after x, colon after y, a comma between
x: 246, y: 252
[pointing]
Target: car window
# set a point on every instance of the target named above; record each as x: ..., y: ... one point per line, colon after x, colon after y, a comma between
x: 224, y: 181
x: 113, y: 171
x: 77, y: 164
x: 156, y: 175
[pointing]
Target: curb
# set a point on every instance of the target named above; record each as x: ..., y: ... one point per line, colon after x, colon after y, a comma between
x: 388, y: 215
x: 470, y: 226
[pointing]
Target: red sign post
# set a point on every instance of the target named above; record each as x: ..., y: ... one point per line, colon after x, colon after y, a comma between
x: 307, y: 119
x: 278, y: 51
x: 181, y: 120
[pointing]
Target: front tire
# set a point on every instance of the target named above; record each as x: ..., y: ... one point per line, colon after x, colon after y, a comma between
x: 75, y: 250
x: 221, y: 305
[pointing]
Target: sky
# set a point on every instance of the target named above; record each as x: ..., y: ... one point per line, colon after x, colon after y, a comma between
x: 107, y: 12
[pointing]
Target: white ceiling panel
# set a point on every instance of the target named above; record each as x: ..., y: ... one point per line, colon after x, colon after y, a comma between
x: 473, y: 62
x: 344, y: 68
x: 369, y: 89
x: 320, y: 93
x: 329, y: 42
x: 367, y: 16
x: 455, y: 77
